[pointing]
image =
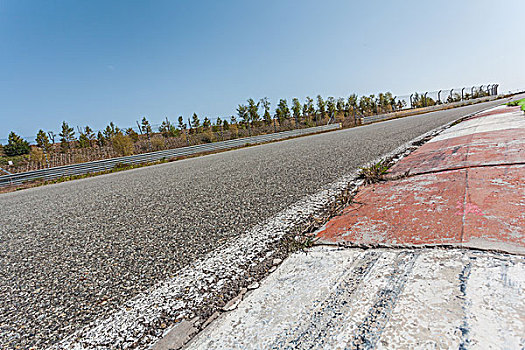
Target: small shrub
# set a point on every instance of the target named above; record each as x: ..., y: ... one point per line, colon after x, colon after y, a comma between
x: 208, y: 136
x: 122, y: 144
x: 158, y: 143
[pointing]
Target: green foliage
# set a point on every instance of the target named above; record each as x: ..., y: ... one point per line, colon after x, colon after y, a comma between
x: 375, y: 172
x: 520, y: 103
x: 86, y: 138
x: 182, y: 125
x: 206, y: 123
x: 122, y: 144
x: 67, y: 135
x: 133, y: 135
x: 265, y: 103
x: 167, y: 129
x: 195, y: 122
x: 42, y: 141
x: 282, y: 112
x: 16, y: 145
x: 321, y: 106
x: 296, y: 109
x: 145, y: 127
x: 253, y: 111
x: 330, y: 106
x: 101, y: 140
x: 242, y: 112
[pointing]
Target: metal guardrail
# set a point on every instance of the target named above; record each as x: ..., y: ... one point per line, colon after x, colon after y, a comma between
x: 380, y: 117
x: 108, y: 164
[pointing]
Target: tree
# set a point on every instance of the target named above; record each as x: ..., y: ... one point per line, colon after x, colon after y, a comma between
x: 266, y: 106
x: 132, y: 134
x: 253, y: 110
x: 331, y: 106
x: 182, y: 125
x: 321, y: 106
x: 296, y: 108
x: 352, y: 102
x: 42, y: 141
x: 167, y: 129
x: 308, y: 108
x: 341, y: 105
x: 111, y: 130
x: 101, y: 140
x: 86, y: 137
x: 206, y: 123
x: 16, y: 145
x: 282, y: 111
x: 195, y: 122
x: 242, y: 112
x: 52, y: 136
x: 67, y: 135
x: 145, y: 127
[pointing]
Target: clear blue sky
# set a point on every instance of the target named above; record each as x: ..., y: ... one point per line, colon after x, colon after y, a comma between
x: 92, y: 62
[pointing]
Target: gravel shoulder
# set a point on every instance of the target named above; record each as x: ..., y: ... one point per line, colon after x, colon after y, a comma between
x: 74, y: 252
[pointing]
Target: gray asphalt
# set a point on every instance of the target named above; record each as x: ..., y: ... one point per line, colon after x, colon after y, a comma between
x: 72, y: 252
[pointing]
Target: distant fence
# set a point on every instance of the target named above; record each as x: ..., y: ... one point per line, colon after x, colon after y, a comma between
x: 108, y: 164
x: 438, y: 97
x: 435, y: 107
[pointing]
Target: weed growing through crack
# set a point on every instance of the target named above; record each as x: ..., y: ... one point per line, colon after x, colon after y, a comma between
x: 375, y: 172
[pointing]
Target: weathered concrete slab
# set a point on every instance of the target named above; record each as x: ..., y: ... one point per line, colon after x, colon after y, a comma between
x: 467, y: 188
x: 349, y: 298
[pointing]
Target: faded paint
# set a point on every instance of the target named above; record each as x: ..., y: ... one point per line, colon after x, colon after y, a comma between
x: 335, y: 298
x: 466, y: 187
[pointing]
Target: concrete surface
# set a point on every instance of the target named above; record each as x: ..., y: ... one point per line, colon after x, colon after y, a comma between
x: 84, y: 253
x: 341, y: 298
x: 466, y: 188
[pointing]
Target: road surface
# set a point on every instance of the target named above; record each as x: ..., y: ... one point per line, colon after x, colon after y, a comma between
x: 73, y: 252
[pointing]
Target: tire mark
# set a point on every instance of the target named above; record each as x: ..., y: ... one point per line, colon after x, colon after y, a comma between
x: 370, y: 330
x: 329, y: 314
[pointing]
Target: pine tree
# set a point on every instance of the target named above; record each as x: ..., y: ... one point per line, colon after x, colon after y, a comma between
x: 321, y: 106
x: 282, y: 112
x: 67, y: 135
x: 296, y: 108
x: 42, y: 141
x: 16, y: 145
x: 195, y: 121
x: 253, y: 111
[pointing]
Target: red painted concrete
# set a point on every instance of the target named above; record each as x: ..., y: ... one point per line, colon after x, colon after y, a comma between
x: 499, y: 193
x: 495, y: 147
x: 470, y: 189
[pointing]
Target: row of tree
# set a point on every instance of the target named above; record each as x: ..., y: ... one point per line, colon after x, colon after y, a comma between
x: 250, y: 115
